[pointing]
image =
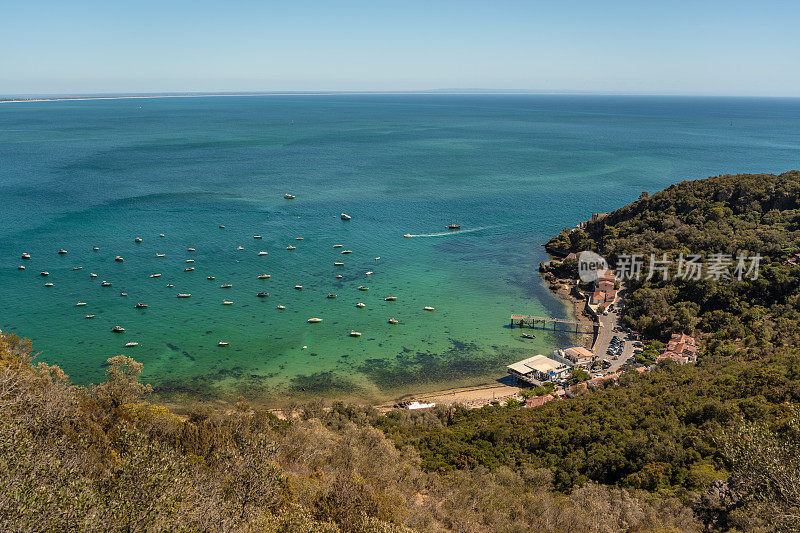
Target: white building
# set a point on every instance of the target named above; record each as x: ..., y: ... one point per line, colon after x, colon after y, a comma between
x: 538, y: 369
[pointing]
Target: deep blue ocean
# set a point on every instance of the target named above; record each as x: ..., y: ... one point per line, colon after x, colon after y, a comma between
x: 514, y: 169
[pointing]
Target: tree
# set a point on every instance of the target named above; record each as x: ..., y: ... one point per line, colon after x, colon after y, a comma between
x: 122, y: 384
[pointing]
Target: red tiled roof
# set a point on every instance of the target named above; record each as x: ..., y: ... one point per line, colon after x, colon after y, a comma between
x: 539, y: 400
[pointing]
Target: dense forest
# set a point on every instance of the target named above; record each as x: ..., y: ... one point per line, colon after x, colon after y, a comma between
x: 708, y: 446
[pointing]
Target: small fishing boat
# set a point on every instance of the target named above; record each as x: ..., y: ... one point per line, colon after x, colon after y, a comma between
x: 155, y: 275
x: 221, y: 226
x: 21, y: 267
x: 393, y: 321
x: 338, y: 263
x: 407, y: 235
x: 361, y: 305
x: 281, y: 307
x: 347, y: 251
x: 117, y: 329
x: 337, y: 245
x: 263, y: 276
x: 262, y: 294
x: 354, y: 333
x: 290, y: 247
x: 429, y: 308
x: 95, y: 248
x: 106, y: 284
x: 191, y: 250
x: 257, y: 236
x: 226, y: 286
x: 314, y: 320
x: 298, y: 287
x: 299, y: 239
x: 161, y: 235
x: 77, y: 268
x: 119, y: 259
x: 92, y: 275
x: 289, y: 196
x: 378, y: 258
x: 331, y: 296
x: 26, y: 256
x: 345, y: 216
x: 123, y: 294
x: 390, y: 299
x: 62, y: 251
x: 362, y: 288
x: 48, y: 284
x: 140, y: 305
x: 528, y: 336
x: 339, y: 276
x: 240, y: 248
x: 131, y: 344
x: 170, y: 285
x: 137, y: 239
x: 369, y: 273
x: 183, y: 294
x: 210, y: 278
x: 160, y: 255
x: 80, y: 304
x: 222, y: 343
x: 227, y: 302
x: 262, y: 252
x: 188, y: 269
x: 89, y: 316
x: 190, y: 260
x: 44, y: 273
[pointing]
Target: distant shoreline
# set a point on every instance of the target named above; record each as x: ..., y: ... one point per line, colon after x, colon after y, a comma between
x: 228, y: 95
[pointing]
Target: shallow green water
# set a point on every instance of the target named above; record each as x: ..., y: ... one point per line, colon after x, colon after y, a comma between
x: 514, y: 169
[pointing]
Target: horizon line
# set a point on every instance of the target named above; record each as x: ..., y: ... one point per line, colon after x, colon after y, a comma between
x: 42, y: 97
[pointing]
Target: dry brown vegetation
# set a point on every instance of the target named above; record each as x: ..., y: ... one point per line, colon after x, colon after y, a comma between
x: 103, y: 458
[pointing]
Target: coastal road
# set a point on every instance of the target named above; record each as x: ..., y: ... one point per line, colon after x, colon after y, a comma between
x: 607, y: 332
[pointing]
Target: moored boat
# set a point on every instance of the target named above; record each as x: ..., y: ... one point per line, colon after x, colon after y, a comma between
x: 390, y: 299
x: 347, y: 251
x: 221, y: 226
x: 345, y: 216
x: 393, y: 321
x: 354, y: 333
x: 211, y: 278
x: 338, y: 263
x: 298, y: 287
x: 257, y: 236
x: 188, y: 269
x: 48, y: 284
x: 226, y: 286
x: 155, y: 275
x: 26, y: 255
x: 160, y: 255
x: 289, y: 196
x: 140, y: 305
x: 362, y: 288
x: 80, y: 304
x: 77, y: 268
x: 281, y: 307
x: 21, y: 267
x: 361, y: 304
x: 429, y: 308
x: 137, y: 239
x: 184, y: 295
x: 117, y: 329
x: 95, y: 248
x: 191, y: 250
x: 331, y: 296
x: 339, y: 276
x: 92, y: 275
x: 89, y: 316
x: 223, y: 343
x: 314, y: 320
x: 123, y: 294
x: 106, y: 284
x: 337, y: 245
x: 44, y: 273
x: 262, y: 294
x: 131, y: 344
x: 227, y: 302
x: 290, y: 247
x: 369, y: 273
x: 262, y: 252
x: 62, y: 251
x: 299, y: 238
x: 119, y: 259
x: 263, y: 276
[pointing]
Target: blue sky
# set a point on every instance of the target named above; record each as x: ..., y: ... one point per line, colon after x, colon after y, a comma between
x: 666, y: 47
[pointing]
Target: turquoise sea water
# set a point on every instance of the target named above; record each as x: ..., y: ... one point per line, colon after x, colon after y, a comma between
x: 515, y: 169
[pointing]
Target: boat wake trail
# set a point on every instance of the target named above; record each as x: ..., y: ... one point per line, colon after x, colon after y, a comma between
x: 456, y: 232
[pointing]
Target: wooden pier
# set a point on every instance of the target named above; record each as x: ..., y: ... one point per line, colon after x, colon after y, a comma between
x: 531, y: 321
